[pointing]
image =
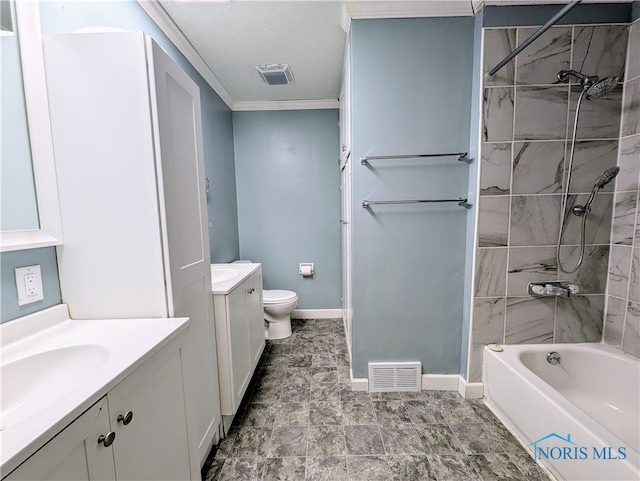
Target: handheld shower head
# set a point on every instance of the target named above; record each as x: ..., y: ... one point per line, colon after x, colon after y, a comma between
x: 601, y: 88
x: 606, y: 177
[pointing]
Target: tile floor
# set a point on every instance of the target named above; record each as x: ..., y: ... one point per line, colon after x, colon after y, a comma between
x: 300, y: 421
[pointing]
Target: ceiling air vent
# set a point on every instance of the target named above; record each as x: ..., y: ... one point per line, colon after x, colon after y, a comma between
x: 394, y: 376
x: 276, y: 73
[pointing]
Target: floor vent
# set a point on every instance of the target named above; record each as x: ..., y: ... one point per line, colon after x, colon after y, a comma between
x: 394, y: 376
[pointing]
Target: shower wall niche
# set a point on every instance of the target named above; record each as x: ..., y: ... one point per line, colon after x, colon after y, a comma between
x: 526, y: 133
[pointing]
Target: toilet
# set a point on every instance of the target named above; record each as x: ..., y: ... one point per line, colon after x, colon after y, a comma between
x: 278, y: 306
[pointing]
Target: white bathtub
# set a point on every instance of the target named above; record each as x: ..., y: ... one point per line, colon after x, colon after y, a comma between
x: 579, y: 418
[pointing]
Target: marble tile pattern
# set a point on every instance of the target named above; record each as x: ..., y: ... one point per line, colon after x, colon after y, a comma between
x: 608, y: 135
x: 423, y: 436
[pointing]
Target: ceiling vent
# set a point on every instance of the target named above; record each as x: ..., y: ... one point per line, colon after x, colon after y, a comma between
x: 276, y: 73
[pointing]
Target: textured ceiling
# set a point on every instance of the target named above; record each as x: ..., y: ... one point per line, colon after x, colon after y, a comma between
x: 233, y: 36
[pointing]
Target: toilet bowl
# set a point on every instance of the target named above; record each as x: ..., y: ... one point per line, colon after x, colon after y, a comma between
x: 278, y: 306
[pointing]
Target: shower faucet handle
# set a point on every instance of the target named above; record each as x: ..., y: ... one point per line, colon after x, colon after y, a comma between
x: 552, y: 289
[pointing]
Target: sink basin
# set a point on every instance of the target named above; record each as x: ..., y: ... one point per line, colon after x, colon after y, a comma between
x: 222, y: 274
x: 32, y: 383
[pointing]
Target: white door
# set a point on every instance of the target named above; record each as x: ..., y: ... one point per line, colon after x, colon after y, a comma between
x: 345, y: 187
x: 180, y: 165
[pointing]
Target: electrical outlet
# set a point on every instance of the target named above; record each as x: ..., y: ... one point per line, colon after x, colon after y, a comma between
x: 29, y: 284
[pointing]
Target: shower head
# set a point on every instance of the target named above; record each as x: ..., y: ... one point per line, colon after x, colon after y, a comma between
x: 606, y: 177
x: 600, y: 88
x: 585, y: 80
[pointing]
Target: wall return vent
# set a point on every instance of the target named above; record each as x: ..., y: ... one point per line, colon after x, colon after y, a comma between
x: 394, y: 376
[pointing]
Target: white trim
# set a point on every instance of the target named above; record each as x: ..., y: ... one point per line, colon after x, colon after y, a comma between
x: 358, y: 383
x: 316, y: 314
x: 40, y: 139
x: 440, y: 382
x: 241, y: 106
x: 171, y: 30
x: 470, y: 390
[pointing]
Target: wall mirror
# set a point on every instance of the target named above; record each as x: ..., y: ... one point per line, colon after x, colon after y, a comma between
x: 29, y: 212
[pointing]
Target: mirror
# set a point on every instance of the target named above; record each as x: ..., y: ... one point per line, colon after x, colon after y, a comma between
x: 19, y: 210
x: 29, y: 215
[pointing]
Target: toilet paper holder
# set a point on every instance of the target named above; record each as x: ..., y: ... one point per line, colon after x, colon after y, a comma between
x: 306, y: 269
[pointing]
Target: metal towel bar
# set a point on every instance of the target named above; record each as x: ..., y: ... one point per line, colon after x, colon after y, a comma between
x: 462, y: 202
x: 366, y: 158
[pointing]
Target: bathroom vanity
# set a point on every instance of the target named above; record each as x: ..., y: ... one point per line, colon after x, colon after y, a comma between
x: 237, y: 303
x: 95, y: 399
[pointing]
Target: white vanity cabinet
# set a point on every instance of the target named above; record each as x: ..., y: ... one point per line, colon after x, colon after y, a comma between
x: 240, y: 337
x: 74, y: 453
x: 152, y: 445
x: 127, y: 135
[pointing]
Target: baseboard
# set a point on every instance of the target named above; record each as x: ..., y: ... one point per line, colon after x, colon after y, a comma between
x: 440, y: 382
x: 316, y: 314
x: 358, y: 383
x: 470, y: 390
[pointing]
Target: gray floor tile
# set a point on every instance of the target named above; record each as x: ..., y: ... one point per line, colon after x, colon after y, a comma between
x: 363, y: 440
x: 391, y: 412
x: 401, y: 439
x: 322, y: 412
x: 251, y: 442
x: 242, y: 469
x: 327, y: 469
x: 410, y: 468
x: 453, y: 467
x: 284, y: 469
x: 305, y: 423
x: 326, y: 441
x: 288, y: 441
x: 438, y: 439
x: 496, y: 467
x: 368, y: 468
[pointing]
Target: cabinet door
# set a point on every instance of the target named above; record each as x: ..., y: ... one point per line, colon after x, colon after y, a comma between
x: 185, y: 231
x: 154, y: 444
x: 239, y: 343
x: 74, y: 454
x: 255, y: 317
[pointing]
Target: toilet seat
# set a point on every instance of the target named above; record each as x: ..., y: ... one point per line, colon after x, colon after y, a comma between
x: 277, y: 296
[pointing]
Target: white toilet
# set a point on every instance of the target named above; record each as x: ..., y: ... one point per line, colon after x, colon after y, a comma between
x: 278, y: 306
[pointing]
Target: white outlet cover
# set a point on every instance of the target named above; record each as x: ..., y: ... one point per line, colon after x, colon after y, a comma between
x: 38, y: 295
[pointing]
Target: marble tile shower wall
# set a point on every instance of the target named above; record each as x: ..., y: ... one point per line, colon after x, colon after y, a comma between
x: 527, y: 127
x: 622, y: 326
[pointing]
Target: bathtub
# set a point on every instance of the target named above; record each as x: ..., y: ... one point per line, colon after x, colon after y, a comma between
x: 578, y: 418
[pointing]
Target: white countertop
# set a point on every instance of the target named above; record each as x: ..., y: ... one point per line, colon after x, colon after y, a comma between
x: 245, y: 269
x: 116, y: 348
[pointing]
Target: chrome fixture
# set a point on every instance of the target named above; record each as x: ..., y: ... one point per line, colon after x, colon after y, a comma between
x: 593, y: 88
x: 462, y: 202
x: 535, y: 35
x: 552, y: 289
x: 364, y: 160
x: 606, y: 177
x: 553, y: 358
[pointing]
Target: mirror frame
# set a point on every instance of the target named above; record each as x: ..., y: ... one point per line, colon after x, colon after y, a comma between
x: 40, y: 138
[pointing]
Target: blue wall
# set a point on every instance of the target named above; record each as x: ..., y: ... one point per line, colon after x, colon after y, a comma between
x: 288, y: 184
x: 411, y: 94
x: 46, y: 259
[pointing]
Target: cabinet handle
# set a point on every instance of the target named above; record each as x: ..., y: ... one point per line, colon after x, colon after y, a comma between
x: 126, y: 419
x: 250, y: 291
x: 108, y: 439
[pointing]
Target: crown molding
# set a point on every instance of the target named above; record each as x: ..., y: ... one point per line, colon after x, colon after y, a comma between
x: 171, y: 30
x: 241, y: 106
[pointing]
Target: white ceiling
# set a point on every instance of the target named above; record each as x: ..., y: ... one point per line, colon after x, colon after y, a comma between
x: 226, y: 39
